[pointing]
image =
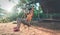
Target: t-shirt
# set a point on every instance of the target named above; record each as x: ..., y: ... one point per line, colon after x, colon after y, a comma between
x: 29, y: 16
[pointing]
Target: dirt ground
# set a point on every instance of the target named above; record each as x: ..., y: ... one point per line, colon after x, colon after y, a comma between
x: 7, y: 29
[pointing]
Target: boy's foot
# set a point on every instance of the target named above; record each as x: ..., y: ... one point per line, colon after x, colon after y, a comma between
x: 16, y: 29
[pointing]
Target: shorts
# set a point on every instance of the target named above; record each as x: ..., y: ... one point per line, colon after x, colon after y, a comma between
x: 24, y: 21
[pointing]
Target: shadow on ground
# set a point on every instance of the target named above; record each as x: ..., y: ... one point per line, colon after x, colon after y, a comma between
x: 47, y: 24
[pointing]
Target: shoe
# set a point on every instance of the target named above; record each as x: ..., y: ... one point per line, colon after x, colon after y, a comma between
x: 16, y: 29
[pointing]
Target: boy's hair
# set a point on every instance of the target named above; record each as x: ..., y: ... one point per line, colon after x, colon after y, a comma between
x: 30, y: 9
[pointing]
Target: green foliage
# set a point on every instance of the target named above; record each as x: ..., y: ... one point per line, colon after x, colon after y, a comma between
x: 15, y: 14
x: 4, y: 20
x: 14, y: 22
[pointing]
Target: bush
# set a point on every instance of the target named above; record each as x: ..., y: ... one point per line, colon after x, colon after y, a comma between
x: 14, y: 22
x: 5, y: 20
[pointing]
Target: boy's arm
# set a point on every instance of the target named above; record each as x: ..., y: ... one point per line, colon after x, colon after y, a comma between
x: 30, y: 15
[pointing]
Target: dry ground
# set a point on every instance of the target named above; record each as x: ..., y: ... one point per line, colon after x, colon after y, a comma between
x: 7, y: 29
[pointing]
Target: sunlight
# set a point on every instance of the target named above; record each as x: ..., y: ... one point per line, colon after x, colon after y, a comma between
x: 8, y: 10
x: 6, y: 5
x: 37, y: 7
x: 19, y: 10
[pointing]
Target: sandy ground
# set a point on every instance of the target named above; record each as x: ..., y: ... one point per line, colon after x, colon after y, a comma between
x: 7, y: 29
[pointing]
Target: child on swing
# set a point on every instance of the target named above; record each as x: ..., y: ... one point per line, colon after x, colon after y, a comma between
x: 26, y: 21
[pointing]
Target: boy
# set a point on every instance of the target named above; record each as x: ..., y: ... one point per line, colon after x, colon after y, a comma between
x: 25, y: 21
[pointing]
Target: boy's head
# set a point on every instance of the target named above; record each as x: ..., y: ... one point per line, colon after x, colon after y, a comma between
x: 30, y: 9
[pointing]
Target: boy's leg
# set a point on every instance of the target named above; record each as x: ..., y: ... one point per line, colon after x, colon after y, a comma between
x: 26, y: 22
x: 29, y: 24
x: 18, y: 24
